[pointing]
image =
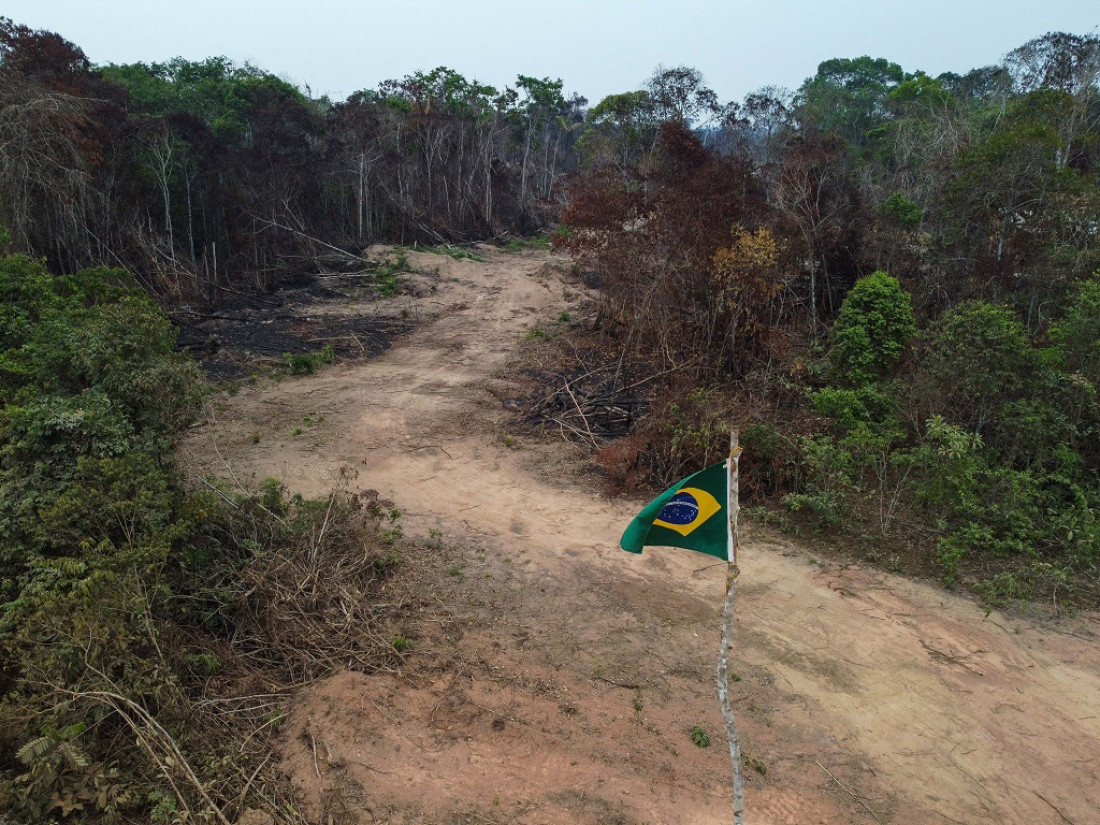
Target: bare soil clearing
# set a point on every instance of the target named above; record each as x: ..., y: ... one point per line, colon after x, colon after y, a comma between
x: 558, y: 679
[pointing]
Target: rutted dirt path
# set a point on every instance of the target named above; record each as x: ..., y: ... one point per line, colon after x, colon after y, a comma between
x: 570, y: 674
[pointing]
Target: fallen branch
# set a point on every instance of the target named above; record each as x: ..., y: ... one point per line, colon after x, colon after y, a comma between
x: 616, y: 684
x: 128, y: 709
x: 291, y: 229
x: 414, y: 448
x: 850, y: 792
x: 580, y: 412
x: 251, y: 779
x: 313, y: 748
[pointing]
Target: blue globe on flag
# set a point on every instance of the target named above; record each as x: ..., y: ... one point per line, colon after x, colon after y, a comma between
x: 682, y: 508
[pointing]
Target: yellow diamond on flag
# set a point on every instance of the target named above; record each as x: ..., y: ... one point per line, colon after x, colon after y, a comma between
x: 687, y: 510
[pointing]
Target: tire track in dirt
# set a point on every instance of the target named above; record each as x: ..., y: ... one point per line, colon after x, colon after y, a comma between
x: 569, y: 694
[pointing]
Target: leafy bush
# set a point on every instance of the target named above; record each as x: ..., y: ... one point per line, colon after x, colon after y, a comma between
x: 872, y: 329
x: 850, y: 409
x: 901, y: 210
x: 307, y: 363
x: 92, y: 333
x: 772, y: 463
x: 112, y: 574
x: 537, y: 242
x: 1077, y: 335
x: 90, y: 512
x: 1003, y: 473
x: 699, y: 737
x: 107, y: 563
x: 974, y: 359
x: 828, y: 471
x: 387, y: 276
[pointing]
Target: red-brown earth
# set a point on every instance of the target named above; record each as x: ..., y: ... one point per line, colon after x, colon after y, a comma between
x: 555, y: 679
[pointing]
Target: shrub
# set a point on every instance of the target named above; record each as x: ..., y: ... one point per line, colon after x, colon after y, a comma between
x: 872, y: 330
x: 92, y: 520
x: 700, y: 737
x: 1077, y: 335
x: 902, y: 211
x: 771, y: 464
x: 974, y: 359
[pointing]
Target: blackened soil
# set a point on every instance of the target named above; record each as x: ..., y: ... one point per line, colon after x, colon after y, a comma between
x: 251, y: 333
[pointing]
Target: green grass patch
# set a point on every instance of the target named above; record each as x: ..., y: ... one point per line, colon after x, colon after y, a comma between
x: 700, y: 737
x: 307, y: 363
x: 522, y: 244
x: 536, y: 333
x: 459, y: 253
x: 387, y: 276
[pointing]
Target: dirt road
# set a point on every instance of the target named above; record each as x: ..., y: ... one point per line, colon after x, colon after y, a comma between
x: 571, y: 676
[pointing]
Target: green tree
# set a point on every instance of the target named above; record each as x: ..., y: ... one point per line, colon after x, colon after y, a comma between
x: 768, y: 112
x: 919, y: 90
x: 1077, y: 336
x: 975, y: 359
x: 542, y: 101
x: 901, y: 211
x: 620, y: 129
x: 872, y: 329
x: 1014, y: 204
x: 847, y: 97
x: 216, y: 90
x: 681, y: 94
x: 1068, y: 63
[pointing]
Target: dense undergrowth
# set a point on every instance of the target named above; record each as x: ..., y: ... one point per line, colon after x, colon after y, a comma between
x: 940, y: 417
x: 151, y: 633
x: 963, y: 450
x: 969, y: 442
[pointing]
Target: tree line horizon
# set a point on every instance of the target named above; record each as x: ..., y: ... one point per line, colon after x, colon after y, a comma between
x: 196, y: 173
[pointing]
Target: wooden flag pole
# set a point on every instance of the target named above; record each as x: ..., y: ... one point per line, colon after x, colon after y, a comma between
x: 732, y: 507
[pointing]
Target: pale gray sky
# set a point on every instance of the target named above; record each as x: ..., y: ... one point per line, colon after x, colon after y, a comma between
x: 598, y: 47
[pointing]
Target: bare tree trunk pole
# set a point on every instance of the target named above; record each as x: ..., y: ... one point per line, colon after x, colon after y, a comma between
x: 733, y: 508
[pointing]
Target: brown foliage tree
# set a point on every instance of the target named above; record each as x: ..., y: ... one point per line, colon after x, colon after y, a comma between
x: 56, y: 123
x: 819, y: 206
x: 652, y: 238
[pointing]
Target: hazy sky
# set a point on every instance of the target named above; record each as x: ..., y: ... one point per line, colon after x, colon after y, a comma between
x: 598, y: 47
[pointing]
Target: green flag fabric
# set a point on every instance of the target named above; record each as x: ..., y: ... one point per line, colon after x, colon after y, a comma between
x: 691, y: 514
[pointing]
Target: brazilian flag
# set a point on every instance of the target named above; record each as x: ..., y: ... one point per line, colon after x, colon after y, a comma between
x: 691, y: 514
